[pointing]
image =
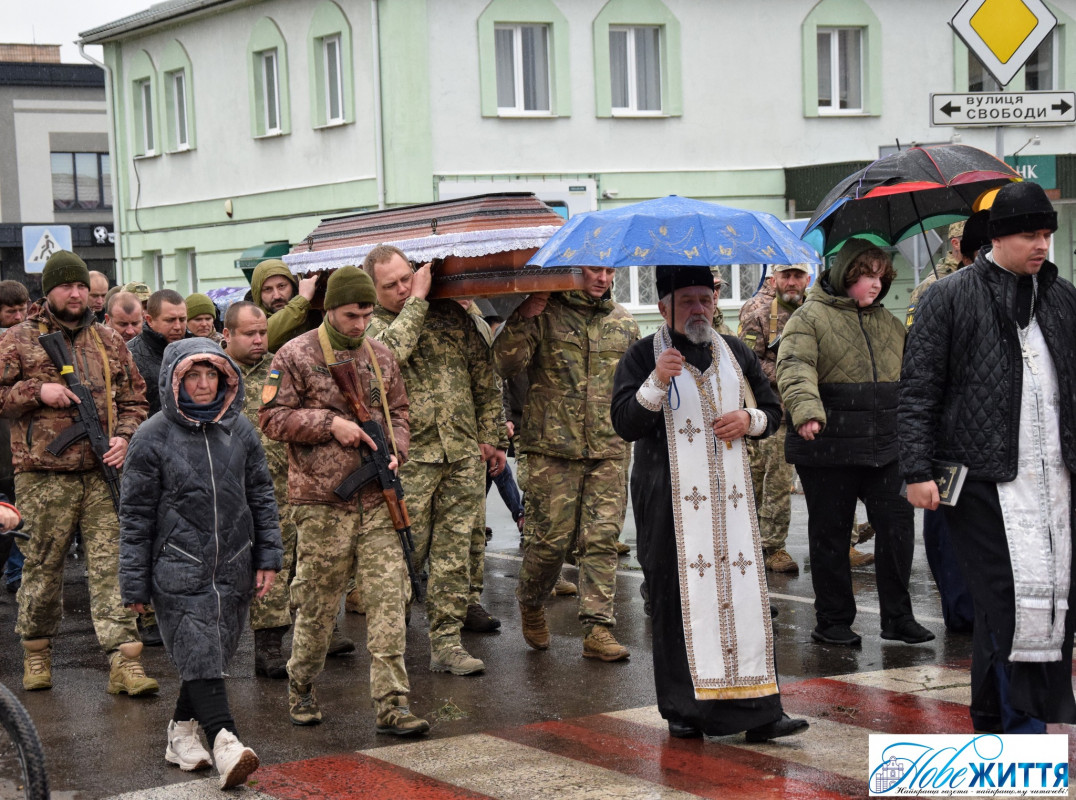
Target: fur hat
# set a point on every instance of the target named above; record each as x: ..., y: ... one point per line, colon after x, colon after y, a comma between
x: 63, y: 267
x: 1020, y: 207
x: 349, y: 285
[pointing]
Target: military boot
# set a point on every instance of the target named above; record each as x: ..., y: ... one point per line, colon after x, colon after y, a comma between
x: 601, y: 644
x: 339, y: 644
x: 36, y: 664
x: 535, y: 631
x: 269, y: 661
x: 354, y: 603
x: 398, y: 720
x: 303, y: 705
x: 127, y: 674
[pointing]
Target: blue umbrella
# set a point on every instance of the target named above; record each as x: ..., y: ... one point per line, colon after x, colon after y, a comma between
x: 673, y: 231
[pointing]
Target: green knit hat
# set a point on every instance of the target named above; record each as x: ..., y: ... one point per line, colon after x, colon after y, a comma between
x: 63, y: 267
x: 349, y: 285
x: 198, y: 304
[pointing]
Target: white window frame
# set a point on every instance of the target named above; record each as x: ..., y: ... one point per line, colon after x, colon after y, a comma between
x: 158, y: 270
x: 179, y: 107
x: 145, y: 91
x: 192, y: 271
x: 632, y: 108
x: 834, y: 109
x: 518, y: 109
x: 269, y: 64
x: 332, y: 44
x: 731, y: 297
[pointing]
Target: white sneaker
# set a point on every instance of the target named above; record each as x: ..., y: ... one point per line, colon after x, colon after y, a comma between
x: 234, y: 761
x: 185, y: 748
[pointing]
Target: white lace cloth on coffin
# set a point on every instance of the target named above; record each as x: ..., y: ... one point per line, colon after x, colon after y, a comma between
x: 467, y: 244
x: 1036, y: 508
x: 726, y: 605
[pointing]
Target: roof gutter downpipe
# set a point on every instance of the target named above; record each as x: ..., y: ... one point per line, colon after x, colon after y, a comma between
x: 379, y: 145
x: 114, y: 180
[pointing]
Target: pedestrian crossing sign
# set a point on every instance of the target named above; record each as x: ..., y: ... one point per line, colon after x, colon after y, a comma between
x: 39, y: 242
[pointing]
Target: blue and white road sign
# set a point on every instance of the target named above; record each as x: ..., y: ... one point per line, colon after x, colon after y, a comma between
x: 41, y: 241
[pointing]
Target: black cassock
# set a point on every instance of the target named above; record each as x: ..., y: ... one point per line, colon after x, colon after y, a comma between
x: 651, y: 497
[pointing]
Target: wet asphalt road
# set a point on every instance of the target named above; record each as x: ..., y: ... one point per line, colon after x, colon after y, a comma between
x: 98, y: 745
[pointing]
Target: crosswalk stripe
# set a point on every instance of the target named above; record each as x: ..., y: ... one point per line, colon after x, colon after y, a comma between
x: 709, y: 769
x: 504, y: 769
x: 352, y: 775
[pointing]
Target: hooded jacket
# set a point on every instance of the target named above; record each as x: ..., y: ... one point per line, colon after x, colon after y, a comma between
x: 198, y: 518
x: 840, y: 364
x: 294, y: 318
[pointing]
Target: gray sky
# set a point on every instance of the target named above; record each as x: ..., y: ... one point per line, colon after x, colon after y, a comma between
x: 60, y: 21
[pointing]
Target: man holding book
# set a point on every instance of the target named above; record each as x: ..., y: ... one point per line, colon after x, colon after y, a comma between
x: 988, y: 382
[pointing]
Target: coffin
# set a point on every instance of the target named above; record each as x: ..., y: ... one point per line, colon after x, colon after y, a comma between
x: 479, y: 245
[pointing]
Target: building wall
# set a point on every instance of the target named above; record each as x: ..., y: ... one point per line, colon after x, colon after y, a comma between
x: 36, y: 120
x: 739, y: 111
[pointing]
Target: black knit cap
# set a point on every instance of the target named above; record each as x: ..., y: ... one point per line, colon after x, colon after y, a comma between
x: 1021, y: 207
x: 976, y: 234
x: 668, y: 278
x: 63, y: 267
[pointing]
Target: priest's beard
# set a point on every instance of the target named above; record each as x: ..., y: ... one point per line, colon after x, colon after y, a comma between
x: 698, y: 330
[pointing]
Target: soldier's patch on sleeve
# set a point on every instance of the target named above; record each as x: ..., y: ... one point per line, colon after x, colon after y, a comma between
x: 749, y: 339
x: 270, y: 387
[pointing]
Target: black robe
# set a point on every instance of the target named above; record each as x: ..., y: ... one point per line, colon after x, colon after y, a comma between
x: 651, y: 497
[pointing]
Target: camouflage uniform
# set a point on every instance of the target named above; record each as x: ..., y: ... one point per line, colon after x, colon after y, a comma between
x: 771, y: 475
x: 59, y: 493
x: 947, y: 266
x: 477, y: 552
x: 274, y: 609
x: 575, y: 461
x: 333, y: 534
x: 455, y: 406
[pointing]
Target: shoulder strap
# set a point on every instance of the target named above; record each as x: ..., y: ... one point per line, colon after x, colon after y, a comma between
x: 384, y: 395
x: 43, y: 329
x: 773, y: 322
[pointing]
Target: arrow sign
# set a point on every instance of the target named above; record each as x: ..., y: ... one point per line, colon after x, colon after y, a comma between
x: 1003, y: 108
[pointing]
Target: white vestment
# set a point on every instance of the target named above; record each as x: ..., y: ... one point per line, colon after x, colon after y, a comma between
x: 723, y: 593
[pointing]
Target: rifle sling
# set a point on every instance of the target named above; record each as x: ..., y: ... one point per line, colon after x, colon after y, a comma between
x: 329, y: 355
x: 108, y: 373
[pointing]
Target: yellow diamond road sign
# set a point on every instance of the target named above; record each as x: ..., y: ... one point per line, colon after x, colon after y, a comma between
x: 1003, y: 33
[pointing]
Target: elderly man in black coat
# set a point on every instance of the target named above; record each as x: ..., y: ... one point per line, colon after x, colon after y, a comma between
x: 199, y: 534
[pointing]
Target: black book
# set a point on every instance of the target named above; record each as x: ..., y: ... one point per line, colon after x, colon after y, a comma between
x: 950, y: 476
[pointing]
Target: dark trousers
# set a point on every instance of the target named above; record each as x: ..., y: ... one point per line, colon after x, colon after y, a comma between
x: 206, y: 701
x: 957, y: 609
x: 831, y: 494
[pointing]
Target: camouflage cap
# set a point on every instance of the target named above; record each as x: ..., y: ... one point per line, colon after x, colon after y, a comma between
x: 787, y: 267
x: 138, y: 289
x: 956, y: 230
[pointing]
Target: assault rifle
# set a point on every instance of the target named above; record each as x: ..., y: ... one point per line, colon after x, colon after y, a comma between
x: 375, y: 467
x: 88, y: 425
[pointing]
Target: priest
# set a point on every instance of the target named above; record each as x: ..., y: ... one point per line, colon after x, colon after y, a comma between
x: 688, y: 396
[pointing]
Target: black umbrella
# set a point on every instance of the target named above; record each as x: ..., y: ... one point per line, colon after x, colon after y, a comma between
x: 906, y: 193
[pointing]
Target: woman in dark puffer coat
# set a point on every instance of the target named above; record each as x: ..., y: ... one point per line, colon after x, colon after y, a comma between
x: 198, y: 533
